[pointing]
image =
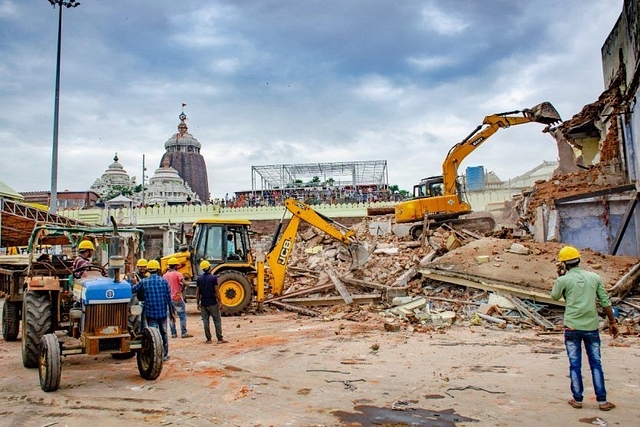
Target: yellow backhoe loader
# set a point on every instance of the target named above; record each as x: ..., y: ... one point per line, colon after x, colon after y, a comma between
x: 241, y: 276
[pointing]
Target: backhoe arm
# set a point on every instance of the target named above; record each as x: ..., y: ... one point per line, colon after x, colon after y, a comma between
x: 282, y: 246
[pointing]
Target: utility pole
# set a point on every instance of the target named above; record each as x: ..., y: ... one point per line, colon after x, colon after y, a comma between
x: 144, y: 177
x: 53, y: 201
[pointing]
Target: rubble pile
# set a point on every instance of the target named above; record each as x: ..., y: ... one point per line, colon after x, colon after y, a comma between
x: 597, y: 177
x: 451, y: 277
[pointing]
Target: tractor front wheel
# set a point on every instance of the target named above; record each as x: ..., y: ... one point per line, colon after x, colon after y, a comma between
x: 149, y: 357
x: 50, y: 368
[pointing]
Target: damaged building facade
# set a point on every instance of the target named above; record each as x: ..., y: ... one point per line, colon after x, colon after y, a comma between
x: 591, y: 202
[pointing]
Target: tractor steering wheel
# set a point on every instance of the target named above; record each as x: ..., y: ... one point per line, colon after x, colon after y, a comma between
x: 89, y: 267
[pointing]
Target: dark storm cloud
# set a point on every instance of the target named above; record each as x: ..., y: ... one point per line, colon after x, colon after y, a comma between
x: 269, y: 82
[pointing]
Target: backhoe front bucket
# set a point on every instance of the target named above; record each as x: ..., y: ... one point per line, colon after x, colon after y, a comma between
x: 543, y: 113
x: 359, y: 255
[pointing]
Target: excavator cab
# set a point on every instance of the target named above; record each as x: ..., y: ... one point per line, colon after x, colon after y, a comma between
x: 429, y: 187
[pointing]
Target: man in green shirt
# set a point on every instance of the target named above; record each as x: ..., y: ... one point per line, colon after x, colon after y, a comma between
x: 580, y: 290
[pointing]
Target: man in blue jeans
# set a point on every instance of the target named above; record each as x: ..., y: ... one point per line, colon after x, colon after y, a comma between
x: 157, y: 302
x: 580, y: 290
x: 207, y: 297
x: 177, y: 284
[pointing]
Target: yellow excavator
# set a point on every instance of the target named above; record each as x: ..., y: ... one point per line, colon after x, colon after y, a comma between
x: 241, y: 276
x: 440, y: 199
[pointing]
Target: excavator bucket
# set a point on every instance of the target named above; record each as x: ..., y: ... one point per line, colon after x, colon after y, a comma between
x: 359, y: 255
x: 543, y: 113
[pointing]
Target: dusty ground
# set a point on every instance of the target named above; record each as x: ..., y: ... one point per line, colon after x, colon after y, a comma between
x: 283, y: 370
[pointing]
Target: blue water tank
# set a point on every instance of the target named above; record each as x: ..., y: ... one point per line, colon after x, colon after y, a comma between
x: 475, y: 178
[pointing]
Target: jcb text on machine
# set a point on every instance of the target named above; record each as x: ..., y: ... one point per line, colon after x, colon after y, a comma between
x: 241, y: 277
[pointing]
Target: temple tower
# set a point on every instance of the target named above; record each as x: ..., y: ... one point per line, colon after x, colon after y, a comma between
x: 114, y: 176
x: 183, y: 154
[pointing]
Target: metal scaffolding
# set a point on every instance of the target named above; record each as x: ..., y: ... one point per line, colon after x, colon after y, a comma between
x: 305, y: 175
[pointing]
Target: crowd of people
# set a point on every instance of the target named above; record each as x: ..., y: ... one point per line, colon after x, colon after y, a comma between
x: 311, y: 196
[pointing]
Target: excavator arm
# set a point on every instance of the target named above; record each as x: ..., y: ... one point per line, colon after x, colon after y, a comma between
x: 450, y: 203
x: 282, y: 245
x: 542, y: 113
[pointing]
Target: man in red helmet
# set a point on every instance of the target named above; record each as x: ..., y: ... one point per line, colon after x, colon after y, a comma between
x: 580, y: 290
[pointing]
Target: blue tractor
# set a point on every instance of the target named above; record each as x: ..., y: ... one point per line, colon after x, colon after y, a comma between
x: 90, y: 310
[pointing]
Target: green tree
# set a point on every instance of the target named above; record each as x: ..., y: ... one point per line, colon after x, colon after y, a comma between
x: 314, y: 181
x: 116, y: 190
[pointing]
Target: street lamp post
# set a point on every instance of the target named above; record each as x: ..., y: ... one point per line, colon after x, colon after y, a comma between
x: 53, y: 201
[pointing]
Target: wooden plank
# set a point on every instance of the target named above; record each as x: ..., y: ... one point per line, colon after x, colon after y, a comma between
x: 404, y: 278
x: 493, y: 287
x: 525, y: 311
x: 340, y: 286
x: 454, y: 301
x: 365, y: 283
x: 636, y: 306
x: 388, y: 290
x: 471, y: 233
x: 333, y: 300
x: 491, y: 318
x: 19, y: 260
x: 626, y: 283
x: 300, y: 292
x: 296, y: 309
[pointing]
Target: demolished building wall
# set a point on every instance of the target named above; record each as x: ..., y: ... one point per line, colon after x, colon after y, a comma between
x: 592, y: 200
x: 574, y: 217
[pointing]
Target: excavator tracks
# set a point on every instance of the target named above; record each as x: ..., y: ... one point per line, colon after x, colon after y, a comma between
x: 479, y: 225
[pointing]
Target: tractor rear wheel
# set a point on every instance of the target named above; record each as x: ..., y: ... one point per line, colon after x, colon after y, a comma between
x: 149, y: 357
x: 235, y: 292
x: 10, y: 320
x: 50, y: 368
x: 36, y: 322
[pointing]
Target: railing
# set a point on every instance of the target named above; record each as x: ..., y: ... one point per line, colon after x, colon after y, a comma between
x: 191, y: 213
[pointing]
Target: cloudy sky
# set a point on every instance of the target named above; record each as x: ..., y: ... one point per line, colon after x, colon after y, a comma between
x: 273, y: 81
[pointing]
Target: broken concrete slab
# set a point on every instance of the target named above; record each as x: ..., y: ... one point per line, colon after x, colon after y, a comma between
x: 527, y: 276
x: 410, y: 307
x: 500, y: 301
x: 517, y: 248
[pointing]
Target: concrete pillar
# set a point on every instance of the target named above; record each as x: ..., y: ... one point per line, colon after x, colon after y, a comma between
x: 168, y: 239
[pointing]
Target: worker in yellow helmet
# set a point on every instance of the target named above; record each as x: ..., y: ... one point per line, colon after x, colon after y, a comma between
x: 157, y: 302
x: 208, y: 300
x: 83, y: 260
x: 139, y: 274
x: 178, y: 284
x: 140, y: 271
x: 580, y: 290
